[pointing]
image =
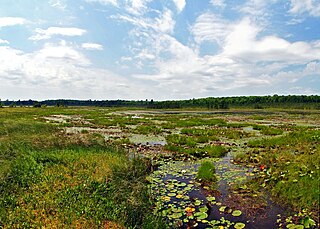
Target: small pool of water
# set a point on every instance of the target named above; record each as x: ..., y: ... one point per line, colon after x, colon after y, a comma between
x: 184, y: 202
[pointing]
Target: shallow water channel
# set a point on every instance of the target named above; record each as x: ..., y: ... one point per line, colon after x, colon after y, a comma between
x: 185, y: 203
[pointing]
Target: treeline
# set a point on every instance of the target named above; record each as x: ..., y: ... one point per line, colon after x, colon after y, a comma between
x: 257, y: 102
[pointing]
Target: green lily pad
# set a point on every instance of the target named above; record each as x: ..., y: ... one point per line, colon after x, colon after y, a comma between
x: 201, y: 215
x: 236, y: 213
x: 197, y: 202
x: 203, y: 209
x: 214, y: 222
x: 211, y: 198
x: 294, y: 226
x: 222, y: 209
x: 171, y: 194
x: 239, y: 225
x: 176, y: 215
x: 182, y: 184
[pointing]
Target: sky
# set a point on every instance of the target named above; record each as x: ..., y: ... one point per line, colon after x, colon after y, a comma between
x: 161, y: 50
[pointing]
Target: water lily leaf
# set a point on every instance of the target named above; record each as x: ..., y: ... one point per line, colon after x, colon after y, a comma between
x: 201, y: 215
x: 222, y: 209
x: 171, y: 194
x: 197, y: 202
x: 179, y: 196
x: 166, y: 198
x: 176, y: 215
x: 236, y: 213
x: 239, y: 225
x: 211, y: 198
x: 214, y: 222
x: 294, y: 226
x: 182, y: 184
x: 203, y: 209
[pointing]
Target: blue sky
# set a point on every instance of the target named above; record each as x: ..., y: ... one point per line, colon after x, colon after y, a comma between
x: 151, y: 49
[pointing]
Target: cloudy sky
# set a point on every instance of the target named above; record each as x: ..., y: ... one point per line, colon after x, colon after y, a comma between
x: 152, y: 49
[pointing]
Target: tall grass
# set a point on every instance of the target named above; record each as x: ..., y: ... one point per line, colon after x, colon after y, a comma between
x: 50, y: 179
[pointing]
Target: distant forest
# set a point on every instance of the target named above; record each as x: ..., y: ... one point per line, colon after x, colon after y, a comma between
x: 257, y: 102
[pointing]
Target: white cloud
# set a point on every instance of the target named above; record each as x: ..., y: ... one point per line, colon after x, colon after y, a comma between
x: 137, y: 7
x: 104, y: 2
x: 59, y: 71
x: 257, y: 8
x: 92, y: 46
x: 43, y: 34
x: 242, y: 43
x: 58, y: 4
x: 219, y: 3
x: 180, y: 4
x: 295, y: 21
x: 11, y: 21
x: 62, y: 52
x: 4, y: 42
x: 307, y: 6
x: 210, y: 27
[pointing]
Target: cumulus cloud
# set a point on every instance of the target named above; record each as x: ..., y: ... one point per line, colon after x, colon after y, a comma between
x: 92, y: 46
x: 4, y: 42
x: 43, y: 34
x: 242, y: 42
x: 60, y: 71
x: 11, y: 21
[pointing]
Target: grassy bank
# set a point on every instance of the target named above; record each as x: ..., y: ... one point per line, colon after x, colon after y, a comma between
x: 51, y: 179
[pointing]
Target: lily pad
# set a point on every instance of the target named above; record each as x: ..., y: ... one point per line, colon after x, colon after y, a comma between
x: 236, y: 213
x: 176, y: 215
x: 239, y: 225
x: 294, y: 226
x: 166, y: 198
x: 201, y: 215
x: 203, y: 209
x: 222, y: 209
x: 197, y: 202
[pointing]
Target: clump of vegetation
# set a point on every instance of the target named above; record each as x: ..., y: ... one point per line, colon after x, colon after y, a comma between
x: 289, y: 167
x: 266, y: 130
x: 216, y: 150
x: 206, y: 172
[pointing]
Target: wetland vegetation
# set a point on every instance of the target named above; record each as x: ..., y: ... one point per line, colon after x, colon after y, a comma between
x: 90, y: 167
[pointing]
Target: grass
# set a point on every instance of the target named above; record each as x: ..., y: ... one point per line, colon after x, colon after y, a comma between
x: 206, y: 172
x: 53, y: 179
x: 292, y: 167
x: 50, y: 179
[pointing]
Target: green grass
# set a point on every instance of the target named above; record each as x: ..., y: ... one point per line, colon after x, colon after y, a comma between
x: 54, y: 179
x: 206, y: 172
x: 50, y: 179
x: 292, y: 163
